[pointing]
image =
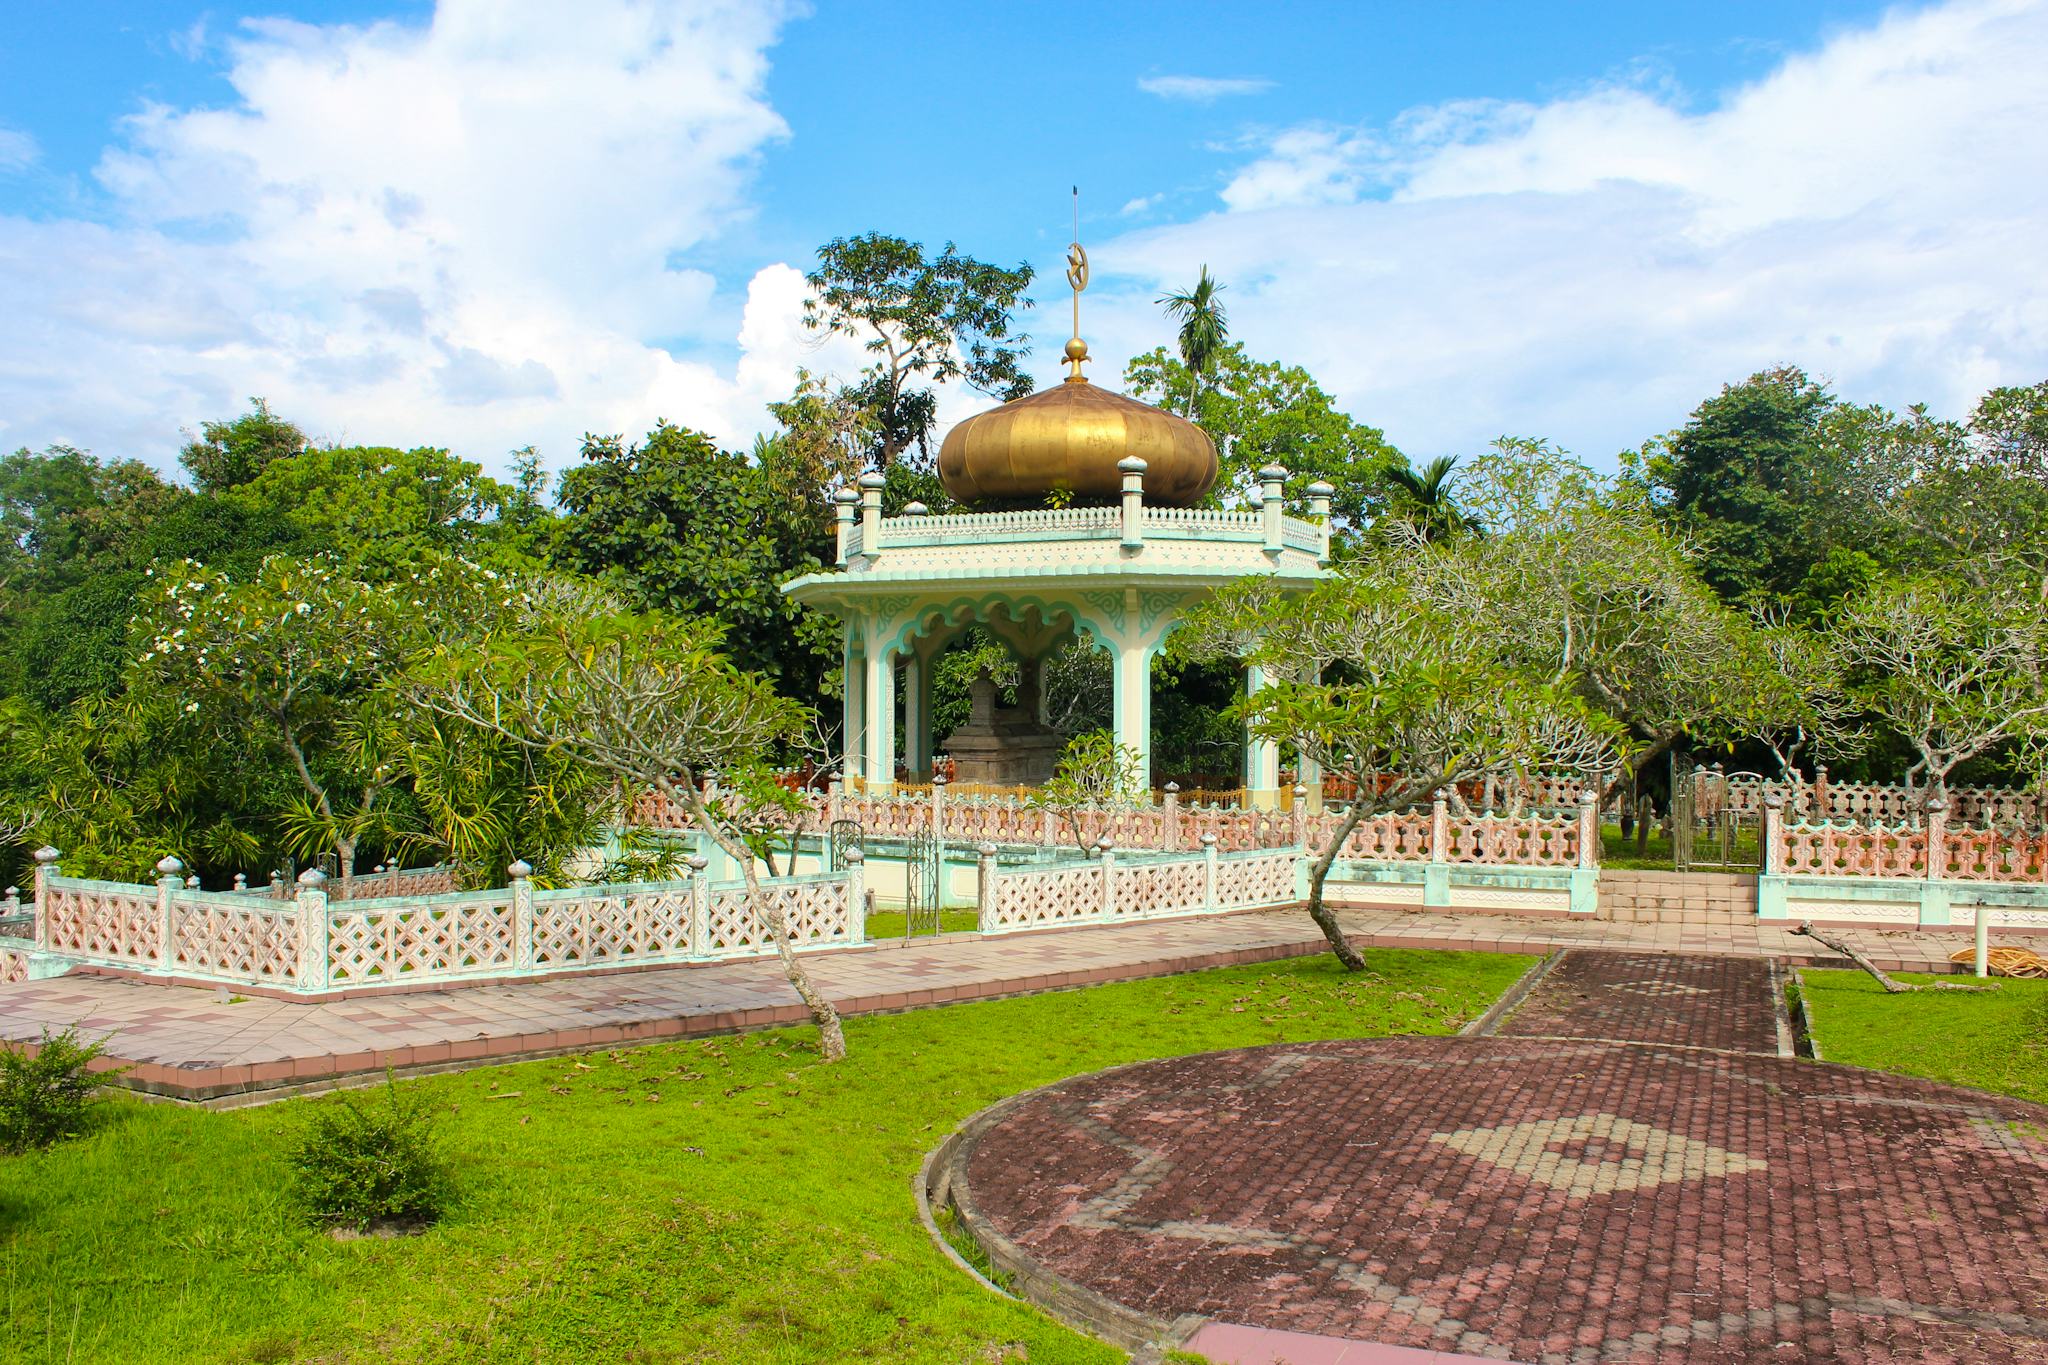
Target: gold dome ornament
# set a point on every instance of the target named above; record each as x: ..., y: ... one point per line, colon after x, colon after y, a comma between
x: 1073, y: 437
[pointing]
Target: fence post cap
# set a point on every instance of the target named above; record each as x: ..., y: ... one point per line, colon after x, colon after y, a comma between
x: 1300, y: 790
x: 46, y: 855
x: 311, y: 878
x: 698, y: 862
x: 192, y: 882
x: 1440, y: 794
x: 1589, y: 797
x: 520, y: 870
x: 1208, y: 841
x: 1936, y: 804
x: 985, y: 849
x: 167, y: 866
x: 938, y: 779
x: 1105, y: 844
x: 854, y: 856
x: 1775, y: 800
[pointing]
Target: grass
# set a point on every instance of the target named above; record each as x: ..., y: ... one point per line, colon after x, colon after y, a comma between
x: 890, y: 923
x: 1997, y: 1041
x: 1656, y: 856
x: 728, y: 1199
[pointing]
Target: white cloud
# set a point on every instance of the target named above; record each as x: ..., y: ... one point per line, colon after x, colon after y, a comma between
x: 465, y: 231
x: 18, y: 151
x: 1136, y: 206
x: 1202, y: 89
x: 1591, y: 268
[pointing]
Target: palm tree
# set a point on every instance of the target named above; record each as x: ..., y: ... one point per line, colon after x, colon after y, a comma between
x: 1425, y: 500
x: 1204, y: 328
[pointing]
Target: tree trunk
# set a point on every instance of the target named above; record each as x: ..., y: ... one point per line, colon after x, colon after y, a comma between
x: 831, y: 1036
x: 1318, y: 873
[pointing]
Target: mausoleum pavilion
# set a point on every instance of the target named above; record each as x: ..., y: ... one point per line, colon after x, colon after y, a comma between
x: 1119, y: 573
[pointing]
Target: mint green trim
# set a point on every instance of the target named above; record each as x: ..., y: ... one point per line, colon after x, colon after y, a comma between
x: 1436, y: 885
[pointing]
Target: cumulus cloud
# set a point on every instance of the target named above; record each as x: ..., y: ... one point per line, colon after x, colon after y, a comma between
x: 1202, y: 89
x: 466, y: 230
x: 1591, y: 267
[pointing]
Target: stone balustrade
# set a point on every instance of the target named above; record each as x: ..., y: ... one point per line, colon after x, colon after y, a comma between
x: 314, y: 945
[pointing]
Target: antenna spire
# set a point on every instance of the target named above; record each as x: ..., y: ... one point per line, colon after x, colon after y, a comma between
x: 1077, y: 278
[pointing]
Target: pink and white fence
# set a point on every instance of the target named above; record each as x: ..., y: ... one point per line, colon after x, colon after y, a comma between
x: 1110, y: 890
x: 1866, y: 803
x: 1529, y: 839
x: 1931, y: 851
x: 314, y: 945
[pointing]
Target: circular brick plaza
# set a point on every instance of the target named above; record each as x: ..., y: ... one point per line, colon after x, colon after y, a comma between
x: 1533, y: 1199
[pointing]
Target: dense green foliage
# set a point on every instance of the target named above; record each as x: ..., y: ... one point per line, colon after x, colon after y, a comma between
x: 47, y: 1096
x: 360, y: 1162
x: 724, y: 1200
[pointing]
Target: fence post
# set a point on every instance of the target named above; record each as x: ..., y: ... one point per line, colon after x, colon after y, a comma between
x: 700, y: 904
x: 939, y: 829
x: 1300, y: 814
x: 856, y: 895
x: 1048, y: 828
x: 985, y: 875
x: 1937, y: 839
x: 1820, y: 790
x: 1935, y: 901
x: 276, y: 885
x: 313, y: 927
x: 1774, y: 834
x: 521, y: 872
x: 1108, y: 861
x: 46, y: 868
x: 1440, y: 826
x: 169, y: 881
x: 1589, y: 829
x: 834, y: 791
x: 1208, y: 872
x: 1170, y: 816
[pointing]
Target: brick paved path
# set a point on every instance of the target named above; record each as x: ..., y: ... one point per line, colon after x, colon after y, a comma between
x: 1538, y: 1200
x: 194, y: 1044
x: 1731, y: 1003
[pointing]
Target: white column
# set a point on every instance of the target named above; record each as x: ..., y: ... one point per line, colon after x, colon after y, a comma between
x: 917, y: 717
x: 880, y: 728
x: 853, y: 672
x: 1261, y: 756
x: 1131, y: 691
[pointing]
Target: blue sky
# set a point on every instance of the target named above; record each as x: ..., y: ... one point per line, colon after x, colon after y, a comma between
x: 490, y: 222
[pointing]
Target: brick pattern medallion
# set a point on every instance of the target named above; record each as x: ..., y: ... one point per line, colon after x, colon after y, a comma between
x: 1540, y: 1201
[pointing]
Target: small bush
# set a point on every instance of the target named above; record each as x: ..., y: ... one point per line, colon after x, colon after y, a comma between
x: 359, y: 1163
x: 47, y: 1096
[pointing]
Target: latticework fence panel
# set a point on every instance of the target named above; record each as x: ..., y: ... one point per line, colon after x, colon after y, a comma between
x: 1024, y: 899
x: 1247, y: 880
x: 225, y: 936
x: 1174, y: 888
x: 1513, y: 840
x: 373, y: 941
x: 109, y: 921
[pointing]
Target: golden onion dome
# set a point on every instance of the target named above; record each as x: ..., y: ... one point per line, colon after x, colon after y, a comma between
x: 1072, y: 437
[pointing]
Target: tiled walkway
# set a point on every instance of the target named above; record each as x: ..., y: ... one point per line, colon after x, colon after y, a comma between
x: 195, y: 1044
x: 1540, y: 1199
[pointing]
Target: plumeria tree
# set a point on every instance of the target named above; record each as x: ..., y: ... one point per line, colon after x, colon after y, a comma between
x: 1954, y: 669
x: 1370, y: 680
x: 1094, y: 770
x: 652, y: 702
x: 301, y: 657
x: 1581, y: 584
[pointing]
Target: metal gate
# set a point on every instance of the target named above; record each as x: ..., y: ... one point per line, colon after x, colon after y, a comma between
x: 924, y: 885
x: 1708, y: 840
x: 842, y: 835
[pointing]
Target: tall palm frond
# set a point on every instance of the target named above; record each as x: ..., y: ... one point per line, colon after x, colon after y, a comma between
x: 1204, y: 330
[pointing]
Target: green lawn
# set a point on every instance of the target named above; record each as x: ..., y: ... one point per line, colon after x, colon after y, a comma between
x: 722, y: 1200
x: 1997, y: 1041
x: 885, y: 924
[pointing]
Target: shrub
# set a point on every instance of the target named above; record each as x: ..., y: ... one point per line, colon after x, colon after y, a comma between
x: 46, y: 1096
x: 357, y: 1162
